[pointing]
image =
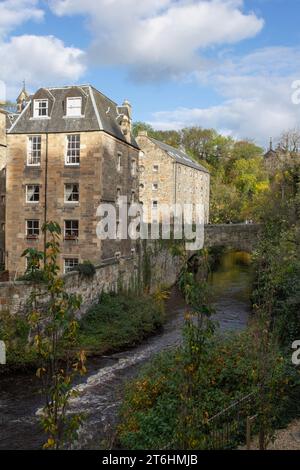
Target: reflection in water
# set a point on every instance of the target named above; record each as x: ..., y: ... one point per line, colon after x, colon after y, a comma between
x: 230, y: 283
x: 102, y: 390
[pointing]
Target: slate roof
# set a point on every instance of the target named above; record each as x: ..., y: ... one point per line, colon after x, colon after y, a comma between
x: 100, y: 114
x: 10, y: 117
x: 179, y: 156
x: 270, y: 153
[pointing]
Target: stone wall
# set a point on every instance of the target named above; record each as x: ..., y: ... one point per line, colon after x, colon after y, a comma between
x: 163, y: 268
x: 3, y: 157
x: 110, y: 277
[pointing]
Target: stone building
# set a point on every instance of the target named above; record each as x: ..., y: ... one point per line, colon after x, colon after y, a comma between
x: 70, y: 149
x: 272, y: 159
x: 169, y: 176
x: 3, y: 155
x: 280, y: 159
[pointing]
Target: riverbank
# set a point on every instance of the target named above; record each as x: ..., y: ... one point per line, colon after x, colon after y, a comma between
x: 101, y: 391
x: 114, y: 324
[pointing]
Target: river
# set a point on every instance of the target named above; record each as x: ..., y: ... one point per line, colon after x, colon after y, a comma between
x: 102, y: 389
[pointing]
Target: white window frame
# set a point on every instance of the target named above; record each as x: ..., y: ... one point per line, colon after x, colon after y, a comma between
x: 155, y: 168
x: 33, y: 149
x: 133, y: 167
x: 72, y: 145
x: 154, y: 186
x: 69, y: 235
x: 33, y: 186
x: 74, y: 111
x: 119, y: 162
x: 37, y: 109
x: 119, y: 194
x: 66, y: 270
x: 32, y: 228
x: 65, y: 193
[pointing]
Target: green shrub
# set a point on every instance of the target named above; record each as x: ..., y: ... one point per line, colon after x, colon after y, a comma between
x: 14, y: 331
x: 158, y: 411
x: 119, y: 320
x: 86, y: 269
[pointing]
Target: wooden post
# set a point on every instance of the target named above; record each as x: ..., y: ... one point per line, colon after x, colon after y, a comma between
x: 248, y: 433
x: 262, y: 439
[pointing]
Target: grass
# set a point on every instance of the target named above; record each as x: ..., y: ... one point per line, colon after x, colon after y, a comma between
x: 119, y: 321
x: 116, y: 322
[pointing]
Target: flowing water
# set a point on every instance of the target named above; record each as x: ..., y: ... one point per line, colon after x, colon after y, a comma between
x: 102, y: 390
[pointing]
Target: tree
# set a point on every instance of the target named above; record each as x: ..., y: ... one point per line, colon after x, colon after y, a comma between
x: 246, y: 150
x: 52, y: 320
x: 141, y: 126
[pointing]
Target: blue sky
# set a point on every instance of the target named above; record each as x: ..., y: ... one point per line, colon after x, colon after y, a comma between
x: 227, y: 64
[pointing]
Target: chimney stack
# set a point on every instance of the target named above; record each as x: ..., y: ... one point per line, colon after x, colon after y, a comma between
x: 143, y: 134
x: 127, y: 105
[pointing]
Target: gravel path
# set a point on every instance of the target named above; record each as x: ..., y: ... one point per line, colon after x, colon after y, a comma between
x: 285, y: 439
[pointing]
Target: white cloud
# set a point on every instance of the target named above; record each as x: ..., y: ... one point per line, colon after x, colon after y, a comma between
x: 157, y: 38
x: 15, y: 12
x: 257, y: 97
x: 41, y: 60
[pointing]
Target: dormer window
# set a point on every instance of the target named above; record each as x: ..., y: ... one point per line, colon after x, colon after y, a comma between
x: 74, y: 107
x: 41, y: 108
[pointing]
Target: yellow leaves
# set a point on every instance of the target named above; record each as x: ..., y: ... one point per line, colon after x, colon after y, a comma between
x: 205, y: 417
x: 40, y: 372
x: 190, y: 369
x: 79, y: 366
x: 50, y: 444
x: 34, y: 317
x: 37, y: 340
x: 188, y: 316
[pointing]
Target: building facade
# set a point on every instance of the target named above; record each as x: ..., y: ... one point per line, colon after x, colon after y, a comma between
x: 280, y: 159
x: 3, y: 156
x: 69, y: 150
x: 169, y: 176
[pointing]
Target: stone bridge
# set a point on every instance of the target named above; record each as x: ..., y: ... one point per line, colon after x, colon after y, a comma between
x: 165, y: 268
x: 240, y: 237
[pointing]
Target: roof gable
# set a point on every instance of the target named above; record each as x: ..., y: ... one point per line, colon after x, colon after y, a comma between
x: 99, y: 114
x: 179, y: 156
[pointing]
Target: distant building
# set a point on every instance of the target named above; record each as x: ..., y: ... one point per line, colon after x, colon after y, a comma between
x: 169, y: 176
x: 272, y: 159
x: 70, y: 149
x: 279, y: 159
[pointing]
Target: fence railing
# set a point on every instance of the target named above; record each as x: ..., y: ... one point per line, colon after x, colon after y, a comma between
x: 231, y: 426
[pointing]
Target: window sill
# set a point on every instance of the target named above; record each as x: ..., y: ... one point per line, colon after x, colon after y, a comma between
x: 82, y: 116
x: 72, y: 165
x: 32, y: 237
x: 39, y: 118
x: 66, y: 239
